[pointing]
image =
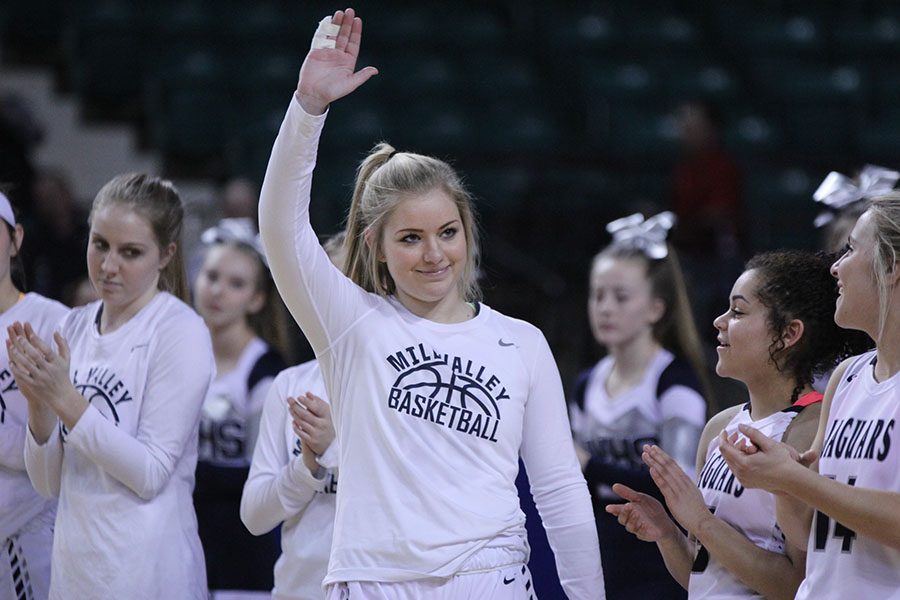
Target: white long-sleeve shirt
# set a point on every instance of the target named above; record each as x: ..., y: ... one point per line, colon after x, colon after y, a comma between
x: 125, y: 526
x: 280, y: 489
x: 19, y: 502
x: 431, y: 417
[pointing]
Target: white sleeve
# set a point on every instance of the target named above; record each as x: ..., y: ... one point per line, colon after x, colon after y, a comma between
x: 12, y: 446
x: 279, y: 485
x: 12, y: 434
x: 181, y: 368
x: 255, y: 404
x: 683, y: 413
x: 560, y: 492
x: 329, y: 458
x: 321, y: 299
x: 44, y: 463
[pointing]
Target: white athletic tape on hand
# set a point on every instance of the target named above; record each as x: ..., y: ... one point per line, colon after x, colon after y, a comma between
x: 326, y: 28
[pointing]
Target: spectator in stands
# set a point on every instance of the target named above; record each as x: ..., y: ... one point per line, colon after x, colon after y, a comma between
x: 240, y: 199
x: 19, y: 134
x: 706, y: 198
x: 54, y: 254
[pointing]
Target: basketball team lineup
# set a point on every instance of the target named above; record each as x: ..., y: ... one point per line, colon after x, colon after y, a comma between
x: 156, y: 443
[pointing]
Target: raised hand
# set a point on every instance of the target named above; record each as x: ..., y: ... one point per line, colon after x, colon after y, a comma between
x: 768, y: 467
x: 642, y: 515
x: 682, y: 496
x: 328, y: 74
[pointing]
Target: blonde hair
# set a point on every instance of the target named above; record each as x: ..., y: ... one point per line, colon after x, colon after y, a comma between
x: 335, y: 247
x: 157, y: 201
x: 676, y: 330
x: 885, y: 211
x: 383, y: 180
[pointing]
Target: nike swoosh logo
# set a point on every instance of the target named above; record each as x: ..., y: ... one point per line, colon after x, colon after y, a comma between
x: 508, y: 581
x: 505, y: 344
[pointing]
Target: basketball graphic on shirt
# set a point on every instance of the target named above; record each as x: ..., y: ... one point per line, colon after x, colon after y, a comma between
x: 104, y: 389
x: 425, y: 377
x: 451, y: 387
x: 449, y: 391
x: 95, y: 395
x: 473, y: 392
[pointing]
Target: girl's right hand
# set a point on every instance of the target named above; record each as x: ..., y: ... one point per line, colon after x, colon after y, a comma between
x: 328, y: 74
x: 642, y: 515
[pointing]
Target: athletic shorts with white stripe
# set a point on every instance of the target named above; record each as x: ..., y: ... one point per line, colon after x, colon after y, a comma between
x: 25, y: 560
x: 506, y: 583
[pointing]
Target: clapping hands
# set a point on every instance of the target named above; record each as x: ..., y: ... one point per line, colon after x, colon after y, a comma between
x: 311, y: 422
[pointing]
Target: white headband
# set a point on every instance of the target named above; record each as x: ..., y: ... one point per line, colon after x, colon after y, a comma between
x: 647, y: 236
x: 6, y: 211
x: 838, y: 191
x: 241, y: 231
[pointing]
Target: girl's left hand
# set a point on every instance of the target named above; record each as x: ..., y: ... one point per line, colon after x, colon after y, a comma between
x: 682, y: 496
x: 765, y: 463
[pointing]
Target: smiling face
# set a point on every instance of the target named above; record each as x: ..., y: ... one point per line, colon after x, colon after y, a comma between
x: 621, y: 305
x: 744, y: 333
x: 227, y: 290
x: 857, y: 303
x: 424, y: 247
x: 124, y: 259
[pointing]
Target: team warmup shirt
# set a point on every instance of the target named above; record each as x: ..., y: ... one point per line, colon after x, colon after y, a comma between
x: 750, y: 511
x: 666, y: 408
x: 20, y: 502
x: 860, y: 448
x: 125, y: 526
x: 431, y: 417
x: 281, y: 489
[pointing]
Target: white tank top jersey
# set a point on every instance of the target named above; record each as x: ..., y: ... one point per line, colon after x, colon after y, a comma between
x: 230, y: 416
x: 19, y: 502
x: 750, y: 511
x: 861, y: 449
x: 616, y: 429
x: 280, y: 488
x: 125, y: 526
x: 431, y: 417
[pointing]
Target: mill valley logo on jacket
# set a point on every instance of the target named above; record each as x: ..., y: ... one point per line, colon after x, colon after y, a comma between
x: 449, y: 391
x: 104, y: 389
x: 7, y: 384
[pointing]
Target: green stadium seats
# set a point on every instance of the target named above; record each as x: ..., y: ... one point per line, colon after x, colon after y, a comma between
x: 105, y: 54
x: 779, y: 204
